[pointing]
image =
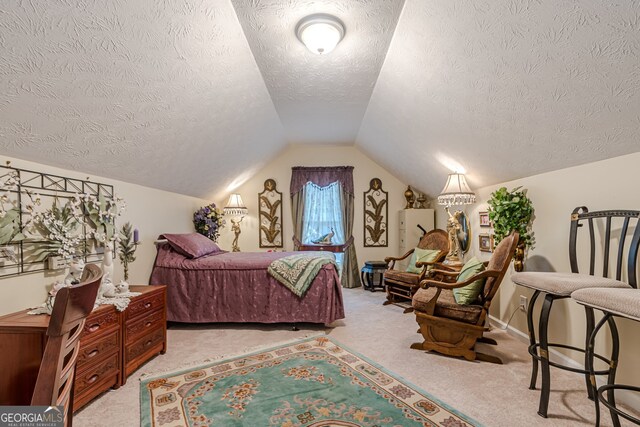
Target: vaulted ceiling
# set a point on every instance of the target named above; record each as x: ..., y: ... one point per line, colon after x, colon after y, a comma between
x: 195, y: 96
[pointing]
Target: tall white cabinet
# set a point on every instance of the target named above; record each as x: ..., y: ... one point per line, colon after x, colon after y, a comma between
x: 410, y: 234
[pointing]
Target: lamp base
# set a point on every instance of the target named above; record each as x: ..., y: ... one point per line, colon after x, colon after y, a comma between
x: 236, y: 231
x: 453, y: 228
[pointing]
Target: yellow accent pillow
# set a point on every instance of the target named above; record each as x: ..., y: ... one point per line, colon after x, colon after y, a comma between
x: 421, y: 255
x: 469, y: 294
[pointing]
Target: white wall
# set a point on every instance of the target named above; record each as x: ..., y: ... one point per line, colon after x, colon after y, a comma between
x: 152, y: 211
x: 297, y: 155
x: 608, y: 184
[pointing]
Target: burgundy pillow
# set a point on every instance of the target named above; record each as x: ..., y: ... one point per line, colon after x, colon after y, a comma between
x: 192, y: 245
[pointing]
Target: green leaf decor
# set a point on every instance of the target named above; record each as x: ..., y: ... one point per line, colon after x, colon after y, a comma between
x: 512, y: 210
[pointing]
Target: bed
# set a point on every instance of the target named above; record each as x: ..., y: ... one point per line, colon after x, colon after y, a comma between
x: 205, y: 284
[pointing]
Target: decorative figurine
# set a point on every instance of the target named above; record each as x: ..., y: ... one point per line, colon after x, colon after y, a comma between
x: 408, y: 194
x: 326, y: 239
x: 235, y: 227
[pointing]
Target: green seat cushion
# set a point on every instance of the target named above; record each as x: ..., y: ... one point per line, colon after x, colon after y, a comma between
x: 421, y: 255
x: 469, y: 294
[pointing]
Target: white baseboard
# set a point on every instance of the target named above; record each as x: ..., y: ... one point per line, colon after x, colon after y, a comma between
x: 628, y: 399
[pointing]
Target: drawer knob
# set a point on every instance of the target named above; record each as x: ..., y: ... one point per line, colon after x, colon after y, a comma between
x: 92, y: 379
x: 148, y: 343
x: 146, y: 325
x: 94, y: 327
x: 93, y: 353
x: 147, y: 305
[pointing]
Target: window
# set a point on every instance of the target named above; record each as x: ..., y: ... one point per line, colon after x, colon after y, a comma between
x: 322, y: 214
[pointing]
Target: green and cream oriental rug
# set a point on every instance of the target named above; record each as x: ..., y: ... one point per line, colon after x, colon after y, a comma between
x: 312, y: 382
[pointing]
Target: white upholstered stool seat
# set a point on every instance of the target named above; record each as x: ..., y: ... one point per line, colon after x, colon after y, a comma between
x: 620, y: 302
x: 564, y: 284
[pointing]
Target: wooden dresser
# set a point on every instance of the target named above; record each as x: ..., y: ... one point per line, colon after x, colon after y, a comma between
x: 112, y: 346
x: 100, y: 359
x: 145, y: 328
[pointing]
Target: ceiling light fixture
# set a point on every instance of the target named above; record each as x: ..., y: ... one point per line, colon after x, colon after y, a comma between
x: 320, y: 33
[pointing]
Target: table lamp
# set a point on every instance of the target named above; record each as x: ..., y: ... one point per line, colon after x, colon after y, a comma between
x: 236, y: 208
x: 455, y: 192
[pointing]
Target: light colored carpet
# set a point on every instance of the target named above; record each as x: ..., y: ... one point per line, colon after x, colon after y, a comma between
x: 495, y: 395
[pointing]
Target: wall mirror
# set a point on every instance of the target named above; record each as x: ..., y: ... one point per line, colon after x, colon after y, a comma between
x: 464, y: 235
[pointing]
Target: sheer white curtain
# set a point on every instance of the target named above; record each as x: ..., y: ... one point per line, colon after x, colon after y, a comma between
x: 322, y: 212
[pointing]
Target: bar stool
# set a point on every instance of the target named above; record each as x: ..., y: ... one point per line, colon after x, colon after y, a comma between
x: 556, y: 286
x: 613, y: 302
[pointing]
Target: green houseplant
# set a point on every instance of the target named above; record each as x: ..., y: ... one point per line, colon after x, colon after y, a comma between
x: 513, y: 210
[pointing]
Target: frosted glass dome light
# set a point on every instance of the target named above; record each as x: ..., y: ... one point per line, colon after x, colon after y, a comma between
x: 320, y: 33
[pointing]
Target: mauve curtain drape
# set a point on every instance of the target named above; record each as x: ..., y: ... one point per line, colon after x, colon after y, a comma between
x: 297, y: 211
x: 350, y: 274
x: 323, y: 176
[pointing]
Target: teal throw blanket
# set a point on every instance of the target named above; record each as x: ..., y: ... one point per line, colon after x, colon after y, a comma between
x: 296, y: 272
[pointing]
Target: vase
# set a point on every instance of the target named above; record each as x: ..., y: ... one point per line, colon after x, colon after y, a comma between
x: 410, y: 196
x: 107, y: 265
x: 518, y: 258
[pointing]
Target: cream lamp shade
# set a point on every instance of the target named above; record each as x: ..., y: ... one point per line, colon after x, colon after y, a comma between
x: 320, y: 33
x: 456, y: 191
x: 235, y: 206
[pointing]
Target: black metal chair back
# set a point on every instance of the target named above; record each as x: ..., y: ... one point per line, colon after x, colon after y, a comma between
x: 629, y: 218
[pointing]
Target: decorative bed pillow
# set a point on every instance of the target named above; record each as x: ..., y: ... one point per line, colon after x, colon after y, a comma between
x: 192, y: 245
x: 469, y: 294
x: 421, y: 255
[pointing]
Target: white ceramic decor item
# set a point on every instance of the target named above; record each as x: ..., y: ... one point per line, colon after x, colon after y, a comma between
x: 108, y: 288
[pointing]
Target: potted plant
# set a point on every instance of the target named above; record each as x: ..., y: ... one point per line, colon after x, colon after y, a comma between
x: 513, y: 210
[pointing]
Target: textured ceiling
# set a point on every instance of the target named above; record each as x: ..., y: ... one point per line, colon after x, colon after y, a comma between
x: 194, y: 96
x: 160, y: 93
x: 506, y: 89
x: 320, y: 98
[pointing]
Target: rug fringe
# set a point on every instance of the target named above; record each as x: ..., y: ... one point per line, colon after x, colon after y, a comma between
x: 167, y: 371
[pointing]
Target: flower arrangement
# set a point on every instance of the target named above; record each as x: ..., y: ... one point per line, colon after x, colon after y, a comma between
x: 100, y: 215
x: 59, y: 225
x: 208, y: 221
x: 127, y: 245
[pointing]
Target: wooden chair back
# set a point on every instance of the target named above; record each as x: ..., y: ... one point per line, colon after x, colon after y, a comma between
x: 435, y: 239
x: 54, y: 385
x: 600, y: 245
x: 500, y: 260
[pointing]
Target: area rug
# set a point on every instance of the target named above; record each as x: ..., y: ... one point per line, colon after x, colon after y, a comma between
x: 312, y: 382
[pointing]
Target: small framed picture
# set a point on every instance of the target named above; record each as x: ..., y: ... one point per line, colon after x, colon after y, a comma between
x: 485, y: 242
x: 484, y: 219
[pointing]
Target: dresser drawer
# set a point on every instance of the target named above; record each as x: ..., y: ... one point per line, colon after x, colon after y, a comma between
x: 99, y: 321
x: 145, y: 304
x: 147, y: 342
x: 142, y: 350
x: 105, y: 372
x: 98, y: 349
x: 136, y: 328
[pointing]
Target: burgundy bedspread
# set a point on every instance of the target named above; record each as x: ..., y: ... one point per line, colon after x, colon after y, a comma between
x: 235, y: 287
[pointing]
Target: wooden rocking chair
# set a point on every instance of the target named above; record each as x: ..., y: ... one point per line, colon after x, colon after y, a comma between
x: 453, y: 329
x: 401, y: 285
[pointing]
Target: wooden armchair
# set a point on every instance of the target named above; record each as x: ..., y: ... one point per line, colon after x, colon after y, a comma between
x: 451, y: 328
x: 401, y: 285
x: 54, y: 385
